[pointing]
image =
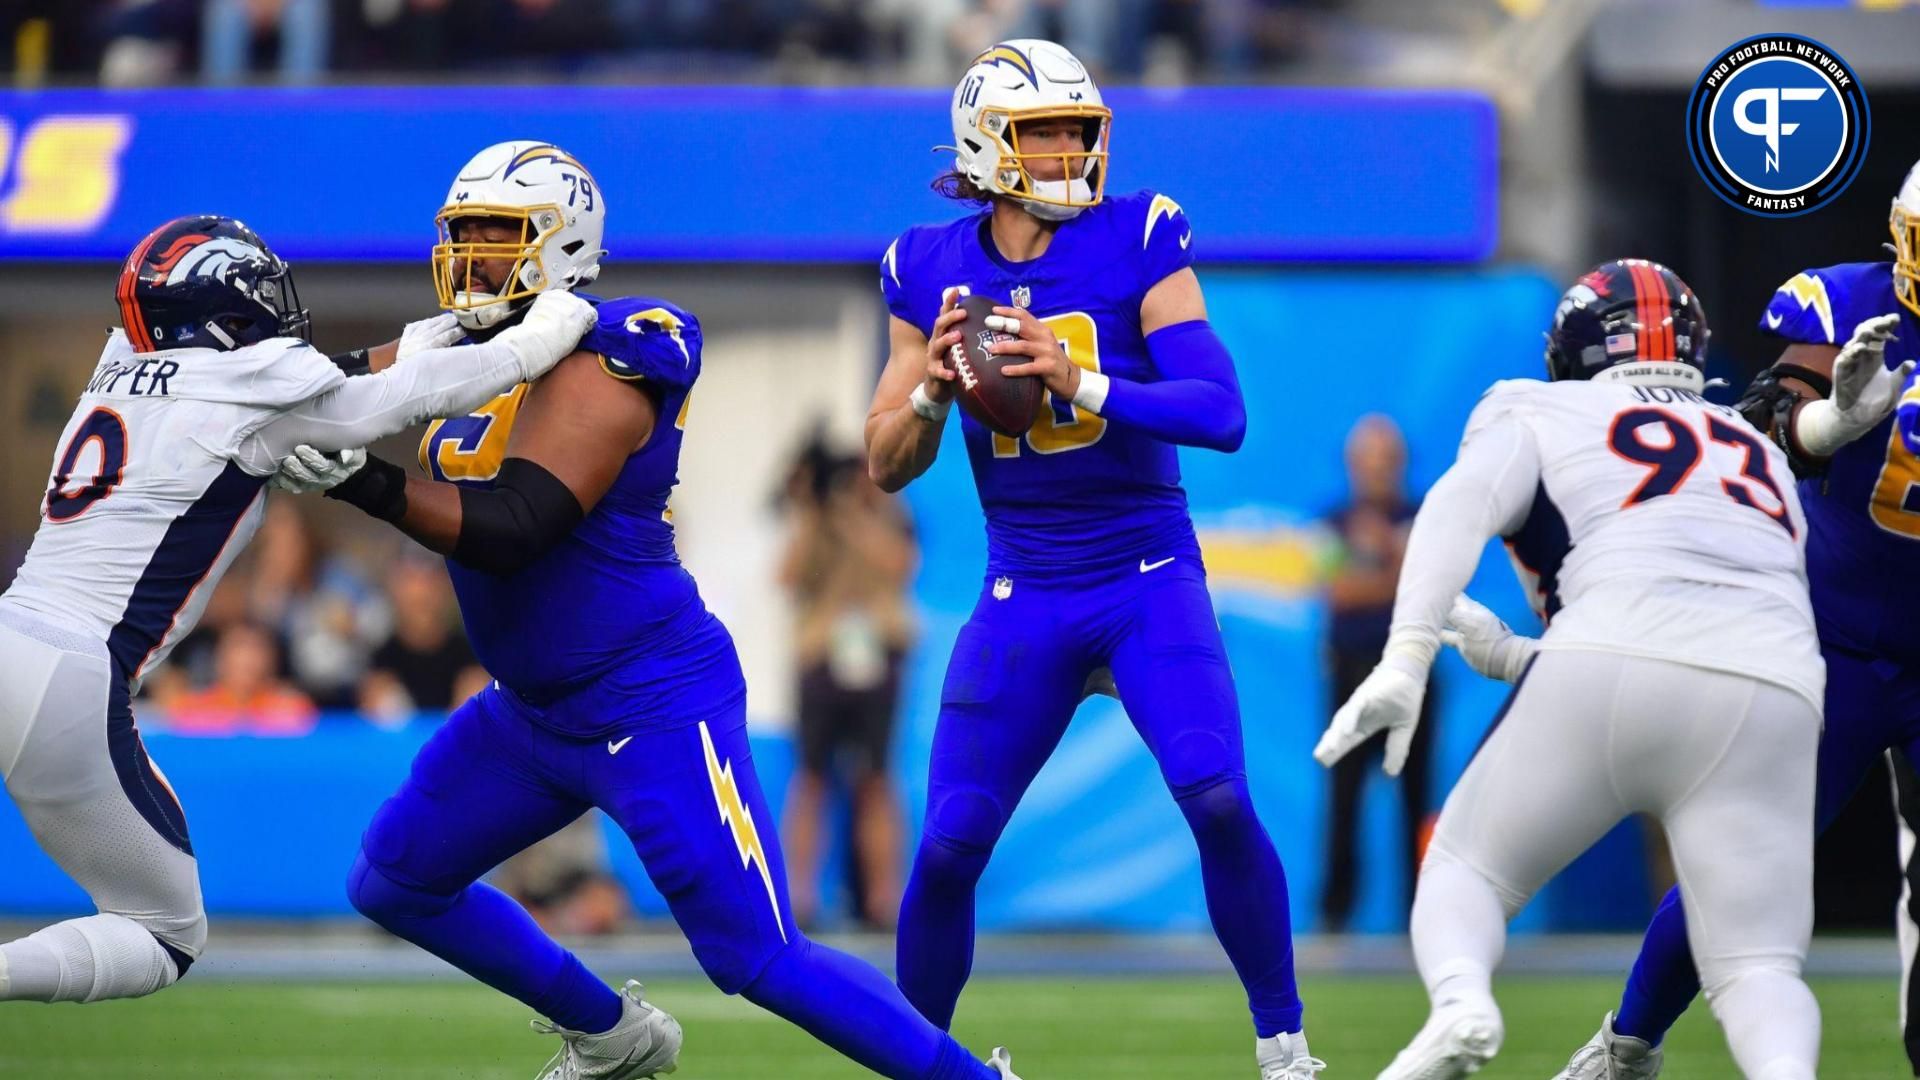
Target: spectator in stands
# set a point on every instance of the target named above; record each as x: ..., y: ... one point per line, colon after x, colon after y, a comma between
x: 426, y: 665
x: 322, y: 607
x: 148, y: 42
x: 847, y: 566
x: 247, y: 696
x: 288, y: 37
x: 1371, y: 534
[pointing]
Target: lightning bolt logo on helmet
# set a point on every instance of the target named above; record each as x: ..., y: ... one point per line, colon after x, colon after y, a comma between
x: 545, y: 218
x: 987, y: 113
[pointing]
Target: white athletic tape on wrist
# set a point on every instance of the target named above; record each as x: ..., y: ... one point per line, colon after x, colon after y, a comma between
x: 1092, y: 394
x: 925, y: 407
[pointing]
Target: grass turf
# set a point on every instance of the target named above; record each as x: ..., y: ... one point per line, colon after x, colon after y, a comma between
x: 1058, y: 1028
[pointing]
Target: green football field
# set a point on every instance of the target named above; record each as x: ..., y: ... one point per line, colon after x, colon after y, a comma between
x: 1058, y: 1028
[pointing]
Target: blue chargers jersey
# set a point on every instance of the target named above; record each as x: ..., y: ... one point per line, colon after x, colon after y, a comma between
x: 1863, y: 517
x: 609, y: 610
x: 1075, y: 492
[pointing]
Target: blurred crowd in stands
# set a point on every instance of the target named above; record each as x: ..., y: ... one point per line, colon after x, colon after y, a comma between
x: 158, y: 42
x: 300, y: 627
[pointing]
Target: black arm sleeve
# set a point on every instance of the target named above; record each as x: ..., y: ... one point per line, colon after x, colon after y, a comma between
x: 354, y: 362
x: 1768, y: 405
x: 527, y: 511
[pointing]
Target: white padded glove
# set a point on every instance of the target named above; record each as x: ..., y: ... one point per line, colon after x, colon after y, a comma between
x: 551, y: 331
x: 1488, y: 645
x: 440, y: 332
x: 1388, y: 700
x: 307, y: 471
x: 1864, y: 390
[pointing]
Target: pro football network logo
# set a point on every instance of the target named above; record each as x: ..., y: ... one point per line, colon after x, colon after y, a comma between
x: 1778, y: 125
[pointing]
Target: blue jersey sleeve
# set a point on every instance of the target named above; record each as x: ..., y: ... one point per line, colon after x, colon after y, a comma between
x: 1823, y: 305
x: 892, y: 285
x: 639, y: 338
x: 1166, y: 241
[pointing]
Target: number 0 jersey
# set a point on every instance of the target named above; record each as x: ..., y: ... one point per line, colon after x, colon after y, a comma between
x: 1864, y: 514
x: 146, y: 505
x: 1075, y: 492
x: 1660, y: 525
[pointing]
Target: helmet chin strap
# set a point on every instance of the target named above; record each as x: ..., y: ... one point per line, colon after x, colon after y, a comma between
x: 482, y: 312
x: 1670, y: 373
x: 1076, y: 190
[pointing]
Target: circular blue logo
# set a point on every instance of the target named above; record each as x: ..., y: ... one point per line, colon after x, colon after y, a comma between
x: 1778, y: 125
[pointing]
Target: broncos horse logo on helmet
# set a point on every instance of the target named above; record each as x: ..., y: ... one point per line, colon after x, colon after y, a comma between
x: 207, y: 282
x: 1629, y: 311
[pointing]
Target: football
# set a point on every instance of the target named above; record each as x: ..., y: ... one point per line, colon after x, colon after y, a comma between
x: 1005, y: 404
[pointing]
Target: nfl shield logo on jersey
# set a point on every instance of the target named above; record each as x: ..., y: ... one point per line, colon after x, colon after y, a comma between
x: 1022, y: 296
x: 1002, y: 588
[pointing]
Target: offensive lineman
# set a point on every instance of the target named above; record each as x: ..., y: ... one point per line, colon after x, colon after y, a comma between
x: 156, y: 488
x: 1092, y: 563
x: 1679, y: 677
x: 614, y: 686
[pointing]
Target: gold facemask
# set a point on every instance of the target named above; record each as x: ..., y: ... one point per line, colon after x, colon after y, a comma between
x: 453, y: 260
x: 1002, y: 126
x: 1906, y: 257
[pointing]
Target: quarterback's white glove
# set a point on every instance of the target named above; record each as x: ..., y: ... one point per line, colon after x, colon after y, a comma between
x: 443, y: 331
x: 307, y: 471
x: 1864, y: 390
x: 1387, y: 700
x: 1488, y: 645
x: 552, y: 329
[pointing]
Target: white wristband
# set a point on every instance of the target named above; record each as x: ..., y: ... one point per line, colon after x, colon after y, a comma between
x: 1818, y: 428
x: 1092, y: 394
x: 925, y: 407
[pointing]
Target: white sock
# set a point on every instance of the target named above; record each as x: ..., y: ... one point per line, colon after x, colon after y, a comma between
x: 1772, y: 1023
x: 1459, y: 930
x: 90, y: 959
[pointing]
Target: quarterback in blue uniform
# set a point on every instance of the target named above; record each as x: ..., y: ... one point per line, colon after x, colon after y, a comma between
x: 615, y: 687
x: 1092, y: 563
x: 1852, y: 333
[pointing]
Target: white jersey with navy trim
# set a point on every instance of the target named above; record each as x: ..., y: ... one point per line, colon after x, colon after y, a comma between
x: 1642, y: 519
x: 146, y: 506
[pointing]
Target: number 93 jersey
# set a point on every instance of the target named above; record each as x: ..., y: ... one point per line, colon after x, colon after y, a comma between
x: 1865, y: 513
x: 1074, y: 492
x: 1661, y: 525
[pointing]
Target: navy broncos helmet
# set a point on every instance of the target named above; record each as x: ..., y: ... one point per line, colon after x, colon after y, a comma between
x: 1623, y: 312
x: 207, y: 282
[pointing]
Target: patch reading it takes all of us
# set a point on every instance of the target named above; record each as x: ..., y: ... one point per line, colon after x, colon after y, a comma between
x: 1778, y: 125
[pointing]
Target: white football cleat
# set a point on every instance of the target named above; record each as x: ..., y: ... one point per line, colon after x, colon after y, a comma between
x: 1002, y: 1062
x: 1610, y: 1056
x: 1285, y: 1057
x: 646, y: 1042
x: 1455, y: 1042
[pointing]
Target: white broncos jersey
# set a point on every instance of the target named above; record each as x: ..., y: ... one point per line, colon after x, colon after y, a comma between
x: 1650, y: 521
x: 156, y: 485
x: 152, y: 492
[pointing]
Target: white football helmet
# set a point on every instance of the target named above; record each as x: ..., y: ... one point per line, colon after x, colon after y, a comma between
x: 562, y: 215
x: 1905, y: 222
x: 1029, y: 79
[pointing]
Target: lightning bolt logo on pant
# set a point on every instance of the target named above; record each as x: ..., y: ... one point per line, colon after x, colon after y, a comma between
x: 735, y: 815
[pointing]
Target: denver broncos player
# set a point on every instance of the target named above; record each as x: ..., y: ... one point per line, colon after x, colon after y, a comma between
x: 615, y: 687
x: 156, y: 488
x: 1826, y: 401
x: 1092, y: 562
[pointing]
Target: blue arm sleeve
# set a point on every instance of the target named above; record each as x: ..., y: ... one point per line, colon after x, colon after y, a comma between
x: 1197, y: 400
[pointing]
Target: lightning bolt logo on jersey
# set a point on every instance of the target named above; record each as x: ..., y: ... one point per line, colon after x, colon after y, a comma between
x: 1864, y: 515
x: 607, y: 605
x: 1074, y: 491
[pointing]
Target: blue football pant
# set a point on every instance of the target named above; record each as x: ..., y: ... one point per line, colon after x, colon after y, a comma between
x: 1020, y: 667
x: 491, y: 783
